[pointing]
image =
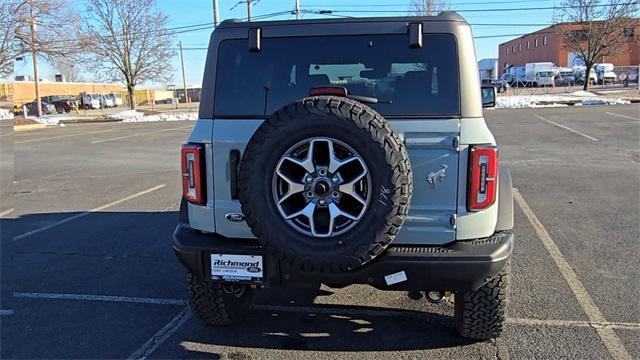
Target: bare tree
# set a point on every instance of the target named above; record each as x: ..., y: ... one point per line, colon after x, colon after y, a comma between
x: 428, y: 7
x: 594, y: 29
x: 56, y: 26
x: 46, y: 29
x: 129, y: 42
x: 8, y: 48
x: 71, y: 70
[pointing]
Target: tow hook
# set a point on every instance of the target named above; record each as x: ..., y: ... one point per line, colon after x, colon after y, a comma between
x: 435, y: 297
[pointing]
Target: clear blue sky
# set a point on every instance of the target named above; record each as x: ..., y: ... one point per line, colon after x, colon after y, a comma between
x: 188, y: 12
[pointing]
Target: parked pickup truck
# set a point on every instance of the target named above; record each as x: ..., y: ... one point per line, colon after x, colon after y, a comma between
x: 61, y: 103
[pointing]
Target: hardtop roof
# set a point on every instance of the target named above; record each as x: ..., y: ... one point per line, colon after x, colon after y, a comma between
x: 445, y: 16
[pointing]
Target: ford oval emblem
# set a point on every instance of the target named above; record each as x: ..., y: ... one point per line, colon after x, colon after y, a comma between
x: 253, y: 269
x: 234, y: 217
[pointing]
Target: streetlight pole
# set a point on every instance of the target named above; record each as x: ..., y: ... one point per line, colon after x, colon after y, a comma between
x: 216, y: 13
x: 248, y: 10
x: 34, y: 56
x: 297, y: 9
x: 184, y: 81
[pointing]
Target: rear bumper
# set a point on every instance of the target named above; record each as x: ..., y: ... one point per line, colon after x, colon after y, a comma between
x: 459, y: 266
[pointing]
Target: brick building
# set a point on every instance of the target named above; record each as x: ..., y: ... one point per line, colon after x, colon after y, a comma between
x: 546, y: 45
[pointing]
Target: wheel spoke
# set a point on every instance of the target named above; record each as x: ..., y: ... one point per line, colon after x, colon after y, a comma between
x: 306, y: 211
x: 335, y: 163
x: 306, y: 164
x: 294, y: 186
x: 349, y: 187
x: 335, y: 211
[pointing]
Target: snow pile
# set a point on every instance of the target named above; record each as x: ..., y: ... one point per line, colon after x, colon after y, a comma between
x: 582, y: 93
x: 530, y: 101
x: 128, y: 116
x: 555, y: 100
x: 605, y: 101
x: 51, y: 119
x: 5, y: 114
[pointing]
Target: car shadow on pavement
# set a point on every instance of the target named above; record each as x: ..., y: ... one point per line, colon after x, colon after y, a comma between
x: 280, y: 319
x: 344, y: 328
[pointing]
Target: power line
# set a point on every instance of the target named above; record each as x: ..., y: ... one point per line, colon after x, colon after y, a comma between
x: 406, y: 6
x: 472, y: 10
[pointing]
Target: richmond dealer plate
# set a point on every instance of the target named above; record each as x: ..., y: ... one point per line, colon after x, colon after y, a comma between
x: 237, y: 268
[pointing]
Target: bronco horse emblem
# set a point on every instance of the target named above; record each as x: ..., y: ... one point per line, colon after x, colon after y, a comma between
x: 437, y: 176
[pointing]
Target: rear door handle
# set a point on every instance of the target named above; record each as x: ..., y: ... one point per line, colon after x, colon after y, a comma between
x: 234, y: 162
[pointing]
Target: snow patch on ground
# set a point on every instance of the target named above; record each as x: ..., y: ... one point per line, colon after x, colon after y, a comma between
x: 51, y: 119
x: 5, y: 114
x: 529, y: 101
x: 605, y: 101
x: 128, y: 116
x: 582, y: 93
x: 555, y: 100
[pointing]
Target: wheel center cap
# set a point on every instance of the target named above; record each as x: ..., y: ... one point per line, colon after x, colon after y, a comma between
x: 321, y: 188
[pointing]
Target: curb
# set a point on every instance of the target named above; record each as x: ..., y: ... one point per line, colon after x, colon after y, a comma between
x: 29, y: 127
x: 89, y: 121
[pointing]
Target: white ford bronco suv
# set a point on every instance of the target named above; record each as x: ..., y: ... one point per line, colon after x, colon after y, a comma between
x: 345, y: 151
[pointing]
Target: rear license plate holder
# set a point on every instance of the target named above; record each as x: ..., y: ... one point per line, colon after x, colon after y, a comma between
x: 235, y: 268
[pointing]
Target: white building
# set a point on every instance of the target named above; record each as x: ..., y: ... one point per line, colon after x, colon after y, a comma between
x: 488, y: 69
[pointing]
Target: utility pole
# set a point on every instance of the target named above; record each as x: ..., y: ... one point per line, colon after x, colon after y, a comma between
x: 216, y: 13
x: 248, y: 10
x: 184, y: 80
x: 297, y: 9
x: 34, y: 56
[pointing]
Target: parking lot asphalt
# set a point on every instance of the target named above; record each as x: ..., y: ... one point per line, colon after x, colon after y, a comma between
x: 87, y: 269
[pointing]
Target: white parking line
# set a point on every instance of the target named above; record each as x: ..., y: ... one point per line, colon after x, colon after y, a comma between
x: 127, y: 299
x: 6, y: 212
x: 621, y: 116
x: 136, y: 135
x: 82, y: 214
x: 320, y: 309
x: 65, y: 136
x: 566, y: 128
x: 6, y: 312
x: 408, y: 314
x: 162, y: 335
x: 607, y: 334
x: 572, y: 323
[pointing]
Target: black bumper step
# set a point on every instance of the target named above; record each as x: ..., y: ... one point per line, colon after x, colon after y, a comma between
x: 458, y: 266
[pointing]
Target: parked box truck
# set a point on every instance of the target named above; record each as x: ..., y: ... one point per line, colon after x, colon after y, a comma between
x: 539, y: 74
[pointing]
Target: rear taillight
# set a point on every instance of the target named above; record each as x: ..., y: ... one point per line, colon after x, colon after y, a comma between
x: 328, y: 90
x: 192, y: 173
x: 483, y: 177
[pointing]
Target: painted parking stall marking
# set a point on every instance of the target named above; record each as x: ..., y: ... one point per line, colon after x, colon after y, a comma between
x: 162, y: 335
x: 567, y: 128
x: 622, y: 116
x: 107, y: 298
x: 137, y: 135
x: 83, y: 214
x: 607, y: 335
x: 6, y: 212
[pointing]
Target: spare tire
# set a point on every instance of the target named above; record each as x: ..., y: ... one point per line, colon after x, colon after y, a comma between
x: 325, y: 184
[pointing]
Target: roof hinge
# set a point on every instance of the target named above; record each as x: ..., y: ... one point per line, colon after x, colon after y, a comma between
x: 415, y: 35
x: 255, y: 39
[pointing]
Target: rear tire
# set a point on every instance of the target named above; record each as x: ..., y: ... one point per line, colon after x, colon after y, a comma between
x: 480, y: 314
x: 214, y: 304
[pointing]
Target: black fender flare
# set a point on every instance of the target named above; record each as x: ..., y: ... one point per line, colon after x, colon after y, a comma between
x: 505, y: 200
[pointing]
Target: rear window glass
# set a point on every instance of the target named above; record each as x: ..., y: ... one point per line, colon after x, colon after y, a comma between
x: 420, y: 81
